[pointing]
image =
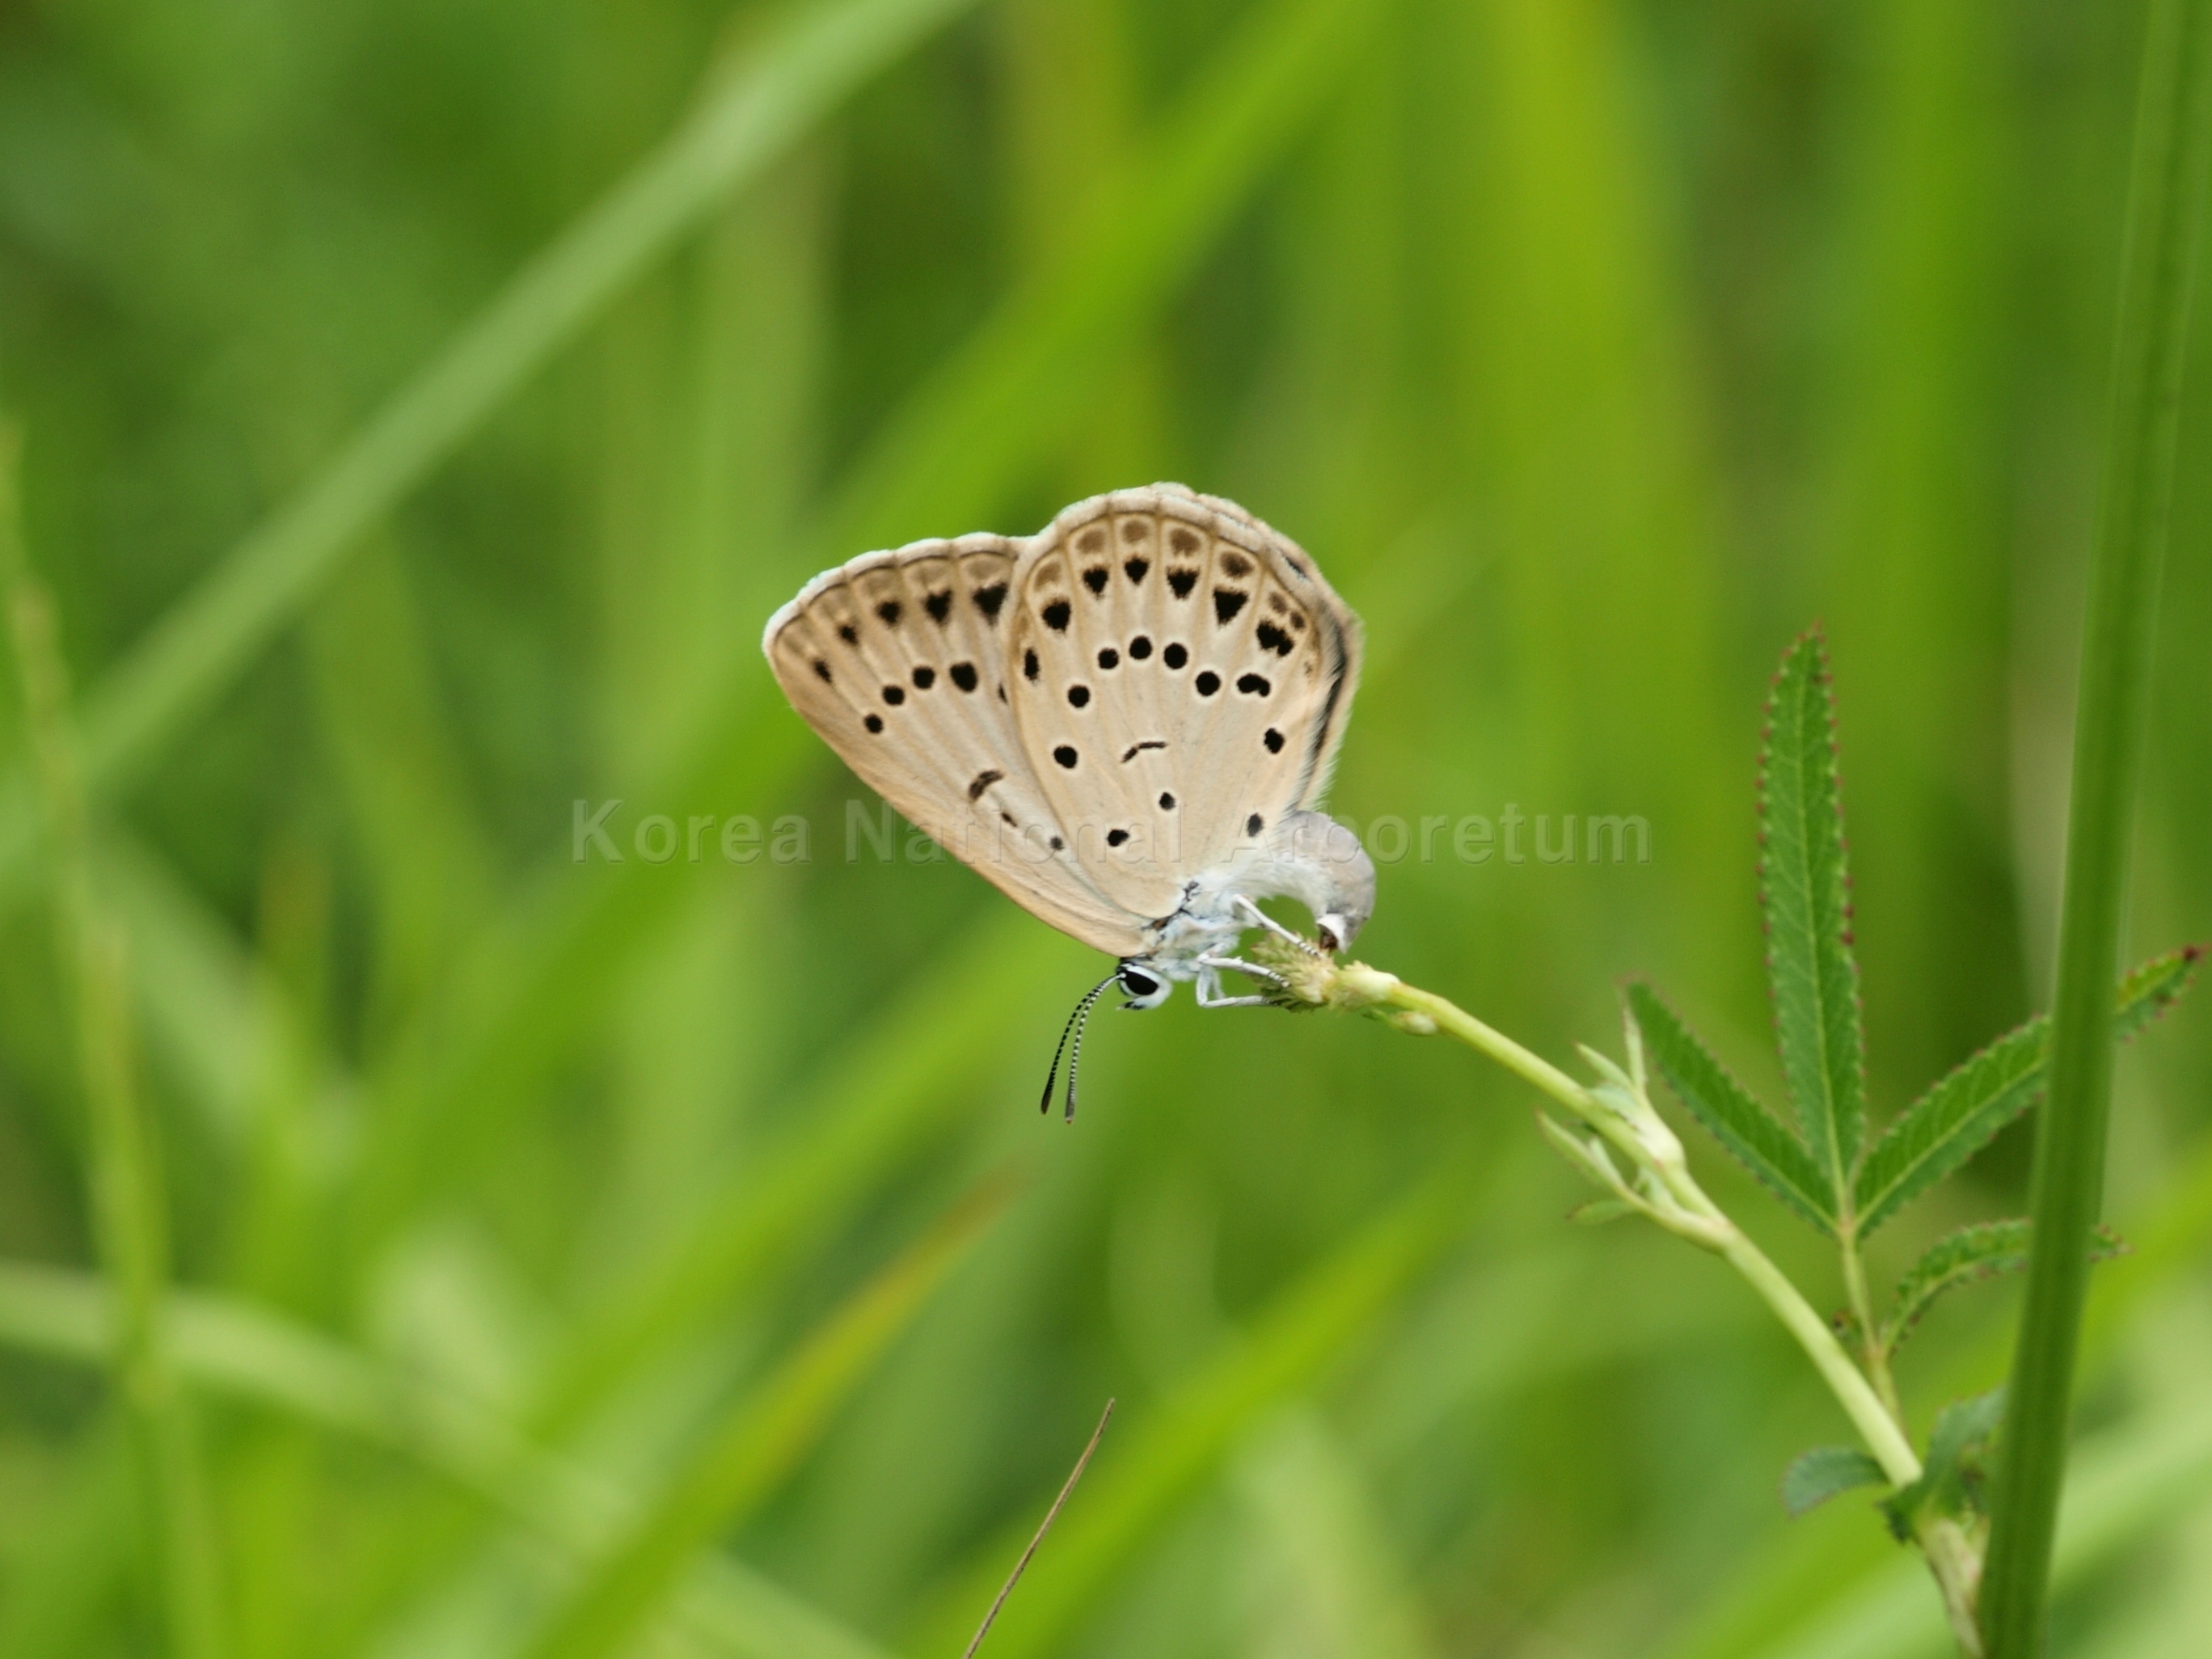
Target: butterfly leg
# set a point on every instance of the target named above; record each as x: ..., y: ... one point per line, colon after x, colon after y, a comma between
x: 1258, y: 918
x: 1208, y: 991
x: 1208, y: 988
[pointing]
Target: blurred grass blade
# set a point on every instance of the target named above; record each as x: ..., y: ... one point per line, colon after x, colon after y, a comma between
x: 262, y: 1358
x: 1029, y: 373
x: 716, y: 1488
x: 1132, y: 1495
x: 1761, y: 1142
x: 1805, y: 896
x: 1956, y: 1118
x: 130, y: 1214
x: 758, y: 110
x: 1331, y: 1577
x: 67, y: 1571
x: 877, y: 1101
x: 2165, y: 210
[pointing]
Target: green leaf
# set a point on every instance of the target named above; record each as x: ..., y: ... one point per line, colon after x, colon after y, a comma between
x: 1956, y: 1118
x: 1805, y: 892
x: 1951, y: 1480
x: 2145, y: 989
x: 1968, y: 1254
x: 1817, y: 1475
x: 1759, y: 1140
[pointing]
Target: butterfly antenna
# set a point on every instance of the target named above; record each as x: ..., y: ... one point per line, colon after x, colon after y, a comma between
x: 1075, y: 1054
x: 1074, y: 1016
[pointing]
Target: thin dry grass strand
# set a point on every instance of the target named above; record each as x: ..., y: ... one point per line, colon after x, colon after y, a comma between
x: 1043, y: 1527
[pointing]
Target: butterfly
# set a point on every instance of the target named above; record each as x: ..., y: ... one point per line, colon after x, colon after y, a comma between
x: 1125, y: 722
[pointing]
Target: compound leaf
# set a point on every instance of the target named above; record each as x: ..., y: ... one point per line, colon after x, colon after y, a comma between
x: 1803, y: 888
x: 1759, y: 1140
x: 1956, y: 1118
x: 1965, y: 1256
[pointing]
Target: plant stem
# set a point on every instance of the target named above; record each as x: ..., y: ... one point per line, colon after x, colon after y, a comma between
x: 1868, y: 1396
x: 1354, y: 985
x: 1872, y: 1354
x: 1868, y: 1413
x: 2173, y: 122
x: 128, y: 1216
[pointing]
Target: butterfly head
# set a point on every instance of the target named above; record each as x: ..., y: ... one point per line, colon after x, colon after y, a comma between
x: 1145, y: 986
x: 1320, y: 864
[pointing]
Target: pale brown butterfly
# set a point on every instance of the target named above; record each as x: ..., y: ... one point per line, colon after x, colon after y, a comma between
x: 1125, y: 722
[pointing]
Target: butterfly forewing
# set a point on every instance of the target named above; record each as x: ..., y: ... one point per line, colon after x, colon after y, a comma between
x: 1178, y: 675
x: 898, y: 659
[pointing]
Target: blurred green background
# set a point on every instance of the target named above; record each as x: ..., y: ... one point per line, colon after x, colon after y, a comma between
x: 426, y: 404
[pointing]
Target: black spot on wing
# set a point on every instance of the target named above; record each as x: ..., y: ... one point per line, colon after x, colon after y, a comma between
x: 895, y: 695
x: 982, y: 781
x: 873, y: 722
x: 1206, y: 684
x: 822, y: 670
x: 1227, y: 602
x: 1140, y: 647
x: 889, y: 610
x: 1095, y: 579
x: 963, y: 675
x: 1167, y: 802
x: 1273, y: 638
x: 1174, y: 656
x: 988, y: 600
x: 1028, y: 666
x: 1134, y: 569
x: 1255, y: 824
x: 1254, y: 685
x: 847, y: 633
x: 1137, y: 749
x: 1109, y: 657
x: 940, y: 606
x: 1116, y: 837
x: 1055, y: 615
x: 1274, y: 740
x: 1066, y: 757
x: 1183, y: 582
x: 1077, y: 695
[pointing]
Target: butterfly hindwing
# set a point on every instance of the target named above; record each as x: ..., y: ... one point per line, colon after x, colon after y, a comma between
x: 1179, y: 675
x: 898, y: 660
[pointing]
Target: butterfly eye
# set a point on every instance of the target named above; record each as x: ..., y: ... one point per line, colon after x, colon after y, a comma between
x: 1144, y: 990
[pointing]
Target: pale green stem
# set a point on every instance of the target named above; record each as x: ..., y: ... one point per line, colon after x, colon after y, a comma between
x: 1624, y: 1118
x: 1845, y: 1381
x: 1870, y: 1345
x: 1423, y: 1012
